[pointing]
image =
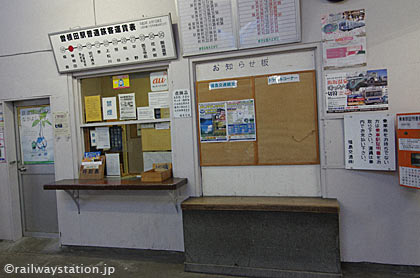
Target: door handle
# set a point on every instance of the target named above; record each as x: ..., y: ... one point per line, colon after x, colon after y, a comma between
x: 22, y: 169
x: 12, y: 162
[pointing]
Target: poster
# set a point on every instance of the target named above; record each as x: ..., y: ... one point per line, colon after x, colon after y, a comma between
x: 241, y: 120
x: 344, y: 39
x: 127, y: 106
x: 103, y: 140
x: 36, y: 134
x: 181, y: 100
x: 120, y: 82
x: 369, y: 142
x: 61, y: 125
x: 109, y: 108
x: 268, y: 22
x: 213, y: 122
x: 159, y: 81
x: 357, y: 91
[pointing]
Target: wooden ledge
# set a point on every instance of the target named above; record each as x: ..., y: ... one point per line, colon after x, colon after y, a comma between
x: 115, y: 184
x: 290, y: 204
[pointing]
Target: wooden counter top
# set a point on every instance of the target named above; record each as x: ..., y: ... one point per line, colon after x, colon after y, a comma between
x: 115, y: 184
x: 292, y: 204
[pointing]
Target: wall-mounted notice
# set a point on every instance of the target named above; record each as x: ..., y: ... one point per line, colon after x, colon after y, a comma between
x: 159, y: 99
x: 145, y: 113
x: 206, y: 26
x: 103, y: 140
x: 159, y: 81
x: 61, y: 125
x: 36, y: 134
x: 93, y: 108
x: 121, y: 82
x: 369, y: 142
x: 109, y: 108
x: 344, y: 39
x: 241, y: 120
x: 212, y: 122
x: 357, y: 91
x: 127, y: 106
x: 181, y: 100
x: 133, y: 42
x: 268, y: 22
x: 408, y: 134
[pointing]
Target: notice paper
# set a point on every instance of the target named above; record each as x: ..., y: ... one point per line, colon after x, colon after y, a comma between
x: 102, y: 138
x: 181, y: 101
x: 127, y: 106
x: 112, y: 161
x: 213, y: 122
x: 61, y: 125
x: 159, y: 99
x: 145, y: 113
x: 109, y: 108
x: 93, y: 108
x: 241, y: 120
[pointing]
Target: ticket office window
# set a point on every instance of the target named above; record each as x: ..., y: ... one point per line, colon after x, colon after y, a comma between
x: 111, y: 122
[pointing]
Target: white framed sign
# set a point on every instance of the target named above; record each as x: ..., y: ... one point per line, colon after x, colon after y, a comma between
x: 369, y: 141
x: 131, y: 42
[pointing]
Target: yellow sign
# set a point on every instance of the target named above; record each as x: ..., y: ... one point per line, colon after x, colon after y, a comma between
x: 120, y: 82
x: 93, y: 108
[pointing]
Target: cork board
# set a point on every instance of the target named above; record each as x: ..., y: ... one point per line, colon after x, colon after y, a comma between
x: 227, y: 153
x: 286, y: 122
x: 287, y: 125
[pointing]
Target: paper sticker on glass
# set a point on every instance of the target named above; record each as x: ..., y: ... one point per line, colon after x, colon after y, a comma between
x: 241, y: 120
x: 36, y: 135
x: 213, y: 122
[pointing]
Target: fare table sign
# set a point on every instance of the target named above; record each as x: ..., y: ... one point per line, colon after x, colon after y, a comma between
x: 369, y: 142
x: 208, y: 26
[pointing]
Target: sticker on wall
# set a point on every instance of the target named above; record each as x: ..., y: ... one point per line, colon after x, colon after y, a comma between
x: 36, y: 134
x: 344, y: 39
x: 159, y: 81
x: 223, y: 84
x: 181, y: 100
x: 61, y: 125
x: 357, y: 91
x: 120, y: 82
x: 369, y: 142
x: 279, y: 79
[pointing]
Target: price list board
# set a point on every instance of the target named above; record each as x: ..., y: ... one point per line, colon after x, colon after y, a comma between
x: 219, y: 25
x: 268, y: 22
x: 206, y: 26
x: 117, y: 44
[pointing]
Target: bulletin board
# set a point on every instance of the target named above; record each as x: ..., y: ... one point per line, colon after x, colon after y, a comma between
x: 286, y: 122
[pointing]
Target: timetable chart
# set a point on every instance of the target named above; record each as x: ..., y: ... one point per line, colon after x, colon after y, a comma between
x: 206, y: 26
x: 131, y: 42
x: 268, y: 22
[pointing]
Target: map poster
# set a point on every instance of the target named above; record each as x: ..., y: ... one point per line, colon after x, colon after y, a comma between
x: 241, y: 120
x: 213, y: 122
x: 36, y: 134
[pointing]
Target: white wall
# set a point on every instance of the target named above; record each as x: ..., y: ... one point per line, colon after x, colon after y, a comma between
x: 379, y: 220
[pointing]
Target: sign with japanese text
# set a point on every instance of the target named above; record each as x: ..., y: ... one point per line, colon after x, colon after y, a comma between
x: 278, y: 79
x: 181, y: 100
x: 357, y: 91
x: 223, y: 84
x: 369, y: 142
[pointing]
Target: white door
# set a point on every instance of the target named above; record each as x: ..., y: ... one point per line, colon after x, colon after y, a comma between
x: 35, y: 150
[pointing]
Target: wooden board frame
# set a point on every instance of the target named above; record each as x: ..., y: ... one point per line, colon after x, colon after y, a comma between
x: 223, y: 154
